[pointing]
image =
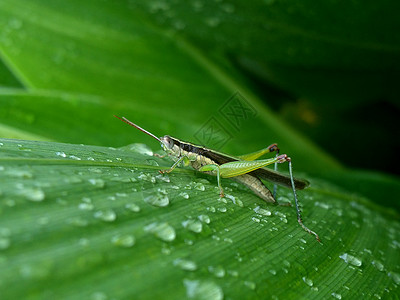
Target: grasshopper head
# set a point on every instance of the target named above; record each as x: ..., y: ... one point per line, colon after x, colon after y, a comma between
x: 167, y: 143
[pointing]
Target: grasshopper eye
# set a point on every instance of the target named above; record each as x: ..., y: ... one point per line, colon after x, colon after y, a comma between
x: 167, y: 143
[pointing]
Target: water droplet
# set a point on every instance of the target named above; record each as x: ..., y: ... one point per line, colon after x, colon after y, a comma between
x: 95, y: 170
x: 193, y: 225
x: 184, y: 195
x: 147, y: 177
x: 222, y: 209
x: 179, y: 25
x: 98, y: 296
x: 212, y: 21
x: 123, y: 240
x: 377, y: 264
x: 159, y: 199
x: 308, y: 281
x: 350, y: 259
x: 272, y: 271
x: 4, y: 243
x: 257, y: 220
x: 107, y: 215
x: 140, y: 148
x: 235, y: 201
x: 203, y: 290
x: 74, y: 157
x: 85, y: 206
x: 233, y: 273
x: 78, y: 222
x: 205, y: 219
x: 228, y: 8
x: 395, y: 277
x: 163, y: 177
x: 336, y: 295
x: 262, y: 211
x: 199, y: 186
x: 163, y: 231
x: 250, y: 284
x: 152, y: 162
x: 97, y: 182
x: 218, y: 271
x: 132, y: 207
x: 211, y: 208
x: 33, y: 194
x: 24, y: 174
x: 185, y: 264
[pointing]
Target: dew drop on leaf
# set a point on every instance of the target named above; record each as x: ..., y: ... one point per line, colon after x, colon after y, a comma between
x: 203, y: 290
x: 160, y: 198
x: 132, y: 207
x: 395, y: 277
x: 336, y: 295
x: 4, y: 243
x: 163, y: 231
x: 193, y: 225
x: 250, y: 284
x: 217, y: 271
x: 350, y: 259
x: 185, y: 264
x: 308, y: 281
x: 107, y: 215
x: 262, y: 211
x: 61, y: 154
x: 124, y: 240
x: 97, y: 182
x: 205, y: 219
x: 33, y: 194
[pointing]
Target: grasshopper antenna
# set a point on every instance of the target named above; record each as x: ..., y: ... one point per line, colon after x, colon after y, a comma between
x: 299, y: 219
x: 123, y: 119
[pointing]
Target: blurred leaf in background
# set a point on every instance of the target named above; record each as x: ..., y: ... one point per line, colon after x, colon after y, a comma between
x: 329, y: 70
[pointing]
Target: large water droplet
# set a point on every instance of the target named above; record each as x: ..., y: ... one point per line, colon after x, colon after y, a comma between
x: 203, y: 290
x: 163, y: 231
x: 395, y: 277
x: 218, y: 271
x: 107, y: 215
x: 250, y: 284
x: 132, y: 207
x: 4, y: 243
x: 193, y: 225
x: 159, y: 198
x: 262, y: 211
x: 378, y: 265
x: 184, y: 195
x: 350, y: 259
x: 308, y: 281
x: 336, y: 295
x: 185, y: 264
x: 123, y: 240
x: 140, y: 148
x: 60, y: 153
x: 33, y: 194
x: 205, y: 219
x: 97, y: 182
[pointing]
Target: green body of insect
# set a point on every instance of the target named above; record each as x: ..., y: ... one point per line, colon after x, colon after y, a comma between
x: 244, y: 169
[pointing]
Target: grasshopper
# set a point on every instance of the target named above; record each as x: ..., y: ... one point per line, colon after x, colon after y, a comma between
x: 244, y: 169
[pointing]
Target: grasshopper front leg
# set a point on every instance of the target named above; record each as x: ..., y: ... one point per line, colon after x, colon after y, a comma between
x: 182, y: 158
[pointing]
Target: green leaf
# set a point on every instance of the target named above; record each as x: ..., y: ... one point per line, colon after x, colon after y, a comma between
x: 81, y: 222
x: 101, y: 60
